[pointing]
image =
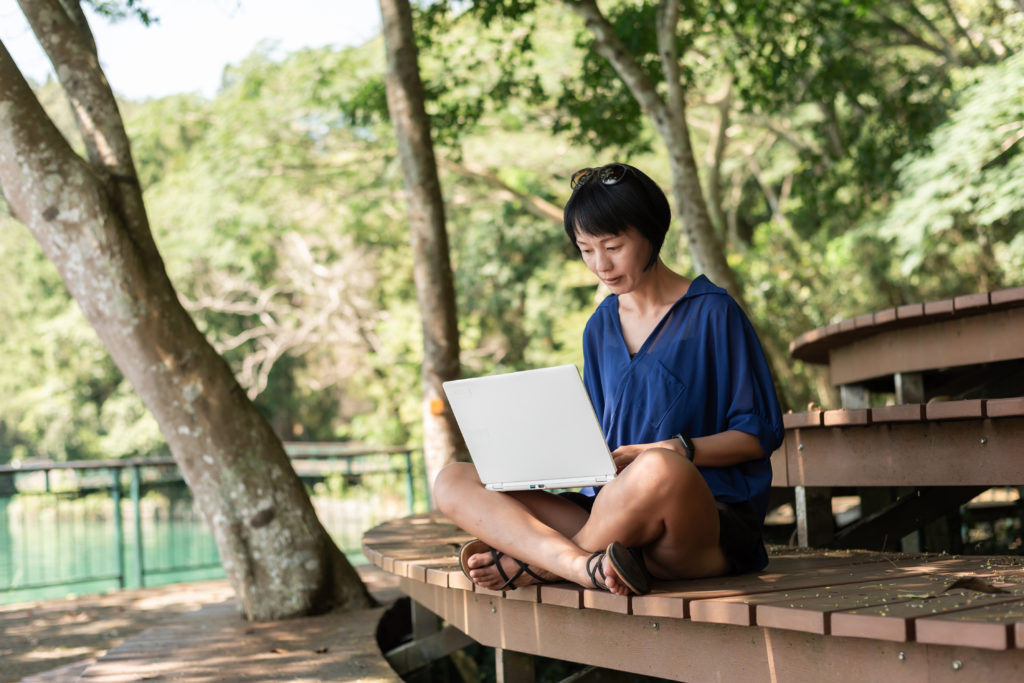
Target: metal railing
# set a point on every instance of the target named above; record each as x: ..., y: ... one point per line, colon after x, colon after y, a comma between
x: 90, y: 526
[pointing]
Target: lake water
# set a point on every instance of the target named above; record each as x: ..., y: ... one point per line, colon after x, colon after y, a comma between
x: 58, y: 547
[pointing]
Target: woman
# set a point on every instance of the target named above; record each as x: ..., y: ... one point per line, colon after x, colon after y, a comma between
x: 686, y: 401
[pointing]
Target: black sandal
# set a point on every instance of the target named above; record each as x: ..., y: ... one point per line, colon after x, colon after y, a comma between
x: 628, y: 564
x: 474, y: 546
x: 594, y: 570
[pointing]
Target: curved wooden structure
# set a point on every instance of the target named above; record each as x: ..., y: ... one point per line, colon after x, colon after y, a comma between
x: 970, y: 349
x: 812, y: 615
x: 965, y: 331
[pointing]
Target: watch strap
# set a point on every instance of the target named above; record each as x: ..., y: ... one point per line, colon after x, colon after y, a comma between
x: 688, y: 446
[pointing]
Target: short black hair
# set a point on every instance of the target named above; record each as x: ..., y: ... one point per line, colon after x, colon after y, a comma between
x: 597, y: 208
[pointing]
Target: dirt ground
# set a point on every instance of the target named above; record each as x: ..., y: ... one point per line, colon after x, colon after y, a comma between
x: 37, y: 637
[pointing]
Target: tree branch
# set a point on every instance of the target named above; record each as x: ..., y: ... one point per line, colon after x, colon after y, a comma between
x: 62, y: 31
x: 608, y: 45
x: 537, y: 206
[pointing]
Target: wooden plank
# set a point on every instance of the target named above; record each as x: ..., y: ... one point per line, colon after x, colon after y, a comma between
x: 946, y: 342
x: 810, y: 610
x: 563, y: 595
x: 702, y: 599
x: 911, y: 412
x: 1005, y: 407
x: 864, y: 320
x: 909, y: 311
x: 529, y: 593
x: 607, y: 602
x: 938, y: 307
x: 214, y: 643
x: 989, y: 627
x: 847, y: 418
x: 780, y: 466
x: 678, y: 649
x: 460, y: 581
x: 740, y: 608
x: 803, y: 347
x: 885, y: 317
x: 811, y: 418
x: 969, y: 302
x: 949, y: 453
x: 1008, y: 296
x: 896, y: 621
x: 955, y: 410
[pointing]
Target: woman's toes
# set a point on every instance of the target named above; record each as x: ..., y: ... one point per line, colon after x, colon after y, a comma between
x: 479, y: 560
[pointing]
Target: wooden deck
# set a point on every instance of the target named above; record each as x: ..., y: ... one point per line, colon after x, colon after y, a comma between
x: 812, y: 615
x: 216, y: 643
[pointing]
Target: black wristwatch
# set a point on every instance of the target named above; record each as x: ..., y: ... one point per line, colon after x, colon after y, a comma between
x: 687, y: 445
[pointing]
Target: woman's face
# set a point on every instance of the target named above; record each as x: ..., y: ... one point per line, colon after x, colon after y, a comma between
x: 617, y: 260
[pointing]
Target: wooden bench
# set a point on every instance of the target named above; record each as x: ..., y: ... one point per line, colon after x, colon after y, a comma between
x: 946, y: 452
x: 936, y: 453
x: 966, y: 347
x: 811, y: 615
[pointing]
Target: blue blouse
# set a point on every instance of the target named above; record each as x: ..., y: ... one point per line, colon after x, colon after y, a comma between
x: 701, y: 371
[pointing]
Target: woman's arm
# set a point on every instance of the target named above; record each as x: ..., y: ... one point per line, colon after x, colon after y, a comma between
x: 718, y: 450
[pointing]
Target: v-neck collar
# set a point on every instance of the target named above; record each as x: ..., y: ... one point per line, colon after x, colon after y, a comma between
x: 692, y: 290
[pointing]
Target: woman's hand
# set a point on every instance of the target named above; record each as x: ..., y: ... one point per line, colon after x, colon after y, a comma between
x: 624, y: 455
x: 719, y: 450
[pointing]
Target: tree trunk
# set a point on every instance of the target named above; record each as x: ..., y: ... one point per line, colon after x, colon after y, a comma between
x: 90, y: 222
x: 669, y: 117
x: 432, y: 272
x: 668, y: 114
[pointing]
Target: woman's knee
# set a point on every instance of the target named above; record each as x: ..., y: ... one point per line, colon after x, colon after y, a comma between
x: 450, y: 482
x: 664, y: 467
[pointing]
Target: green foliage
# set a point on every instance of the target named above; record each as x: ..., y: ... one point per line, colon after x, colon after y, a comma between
x: 859, y: 173
x: 118, y: 10
x: 959, y: 212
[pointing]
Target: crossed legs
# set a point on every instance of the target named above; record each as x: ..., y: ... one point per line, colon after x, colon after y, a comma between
x: 660, y: 503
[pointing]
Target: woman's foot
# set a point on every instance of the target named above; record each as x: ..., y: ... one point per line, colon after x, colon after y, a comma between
x: 619, y: 570
x: 494, y: 570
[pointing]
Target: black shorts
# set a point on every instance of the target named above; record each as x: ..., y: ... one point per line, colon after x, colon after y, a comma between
x: 739, y: 532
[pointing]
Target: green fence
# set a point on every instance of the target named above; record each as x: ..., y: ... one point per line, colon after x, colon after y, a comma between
x: 92, y: 526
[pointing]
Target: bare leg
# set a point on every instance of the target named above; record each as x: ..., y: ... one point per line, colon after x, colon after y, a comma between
x: 660, y: 502
x: 534, y: 526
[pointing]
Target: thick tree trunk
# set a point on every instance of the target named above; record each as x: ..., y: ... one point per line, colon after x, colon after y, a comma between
x: 442, y: 440
x: 278, y: 557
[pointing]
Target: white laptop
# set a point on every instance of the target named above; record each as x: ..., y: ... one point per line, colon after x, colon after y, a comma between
x: 534, y: 429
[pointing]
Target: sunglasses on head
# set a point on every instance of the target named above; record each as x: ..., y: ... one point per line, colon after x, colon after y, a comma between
x: 608, y: 174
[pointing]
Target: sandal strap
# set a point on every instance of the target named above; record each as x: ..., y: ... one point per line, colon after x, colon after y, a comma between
x: 593, y: 569
x: 509, y: 582
x: 496, y: 556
